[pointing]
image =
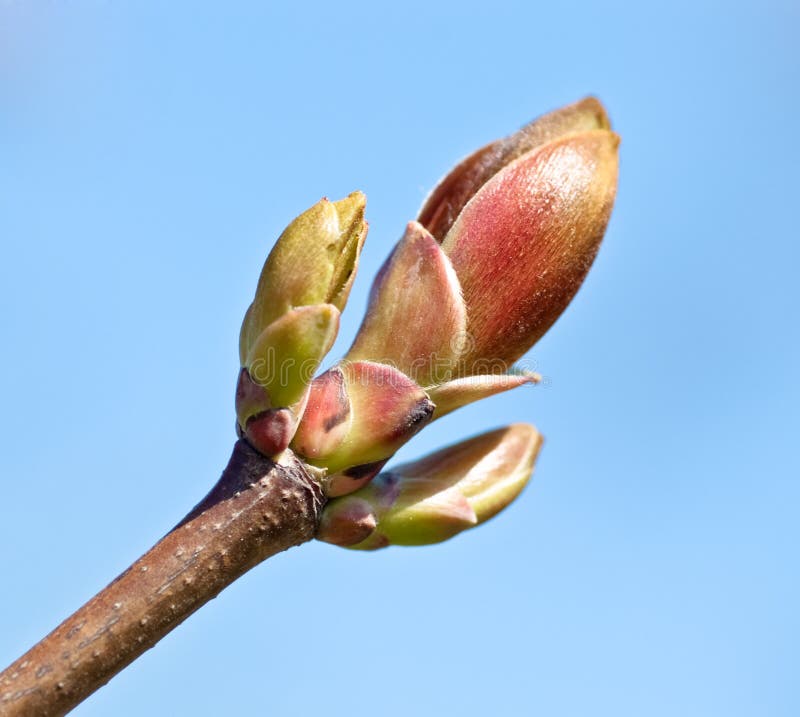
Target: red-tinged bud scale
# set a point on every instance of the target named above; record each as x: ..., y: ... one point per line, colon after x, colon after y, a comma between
x: 360, y: 412
x: 524, y: 243
x: 451, y: 195
x: 416, y: 319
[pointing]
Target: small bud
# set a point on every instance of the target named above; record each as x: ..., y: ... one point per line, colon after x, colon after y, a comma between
x: 313, y: 262
x: 271, y: 431
x: 435, y: 498
x: 416, y: 320
x: 359, y: 412
x: 328, y: 417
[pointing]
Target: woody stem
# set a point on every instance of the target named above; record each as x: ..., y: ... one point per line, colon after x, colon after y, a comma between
x: 257, y: 509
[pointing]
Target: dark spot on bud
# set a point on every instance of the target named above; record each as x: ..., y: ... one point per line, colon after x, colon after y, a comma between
x: 365, y: 469
x: 339, y: 417
x: 351, y: 479
x: 417, y: 417
x: 421, y: 413
x: 329, y: 398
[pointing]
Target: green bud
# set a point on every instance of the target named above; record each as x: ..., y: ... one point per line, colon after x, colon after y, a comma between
x: 437, y: 497
x: 293, y: 320
x: 313, y: 262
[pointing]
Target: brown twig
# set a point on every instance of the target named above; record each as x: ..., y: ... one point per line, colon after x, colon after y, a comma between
x: 257, y: 509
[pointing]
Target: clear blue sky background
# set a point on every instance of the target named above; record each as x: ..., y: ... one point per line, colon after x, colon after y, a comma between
x: 149, y: 156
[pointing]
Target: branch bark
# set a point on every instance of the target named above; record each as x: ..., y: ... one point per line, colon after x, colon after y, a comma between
x: 256, y: 509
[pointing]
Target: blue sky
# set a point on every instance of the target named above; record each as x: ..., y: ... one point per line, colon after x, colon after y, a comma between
x: 151, y: 155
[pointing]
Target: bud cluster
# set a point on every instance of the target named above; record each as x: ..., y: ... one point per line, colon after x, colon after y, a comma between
x: 499, y: 249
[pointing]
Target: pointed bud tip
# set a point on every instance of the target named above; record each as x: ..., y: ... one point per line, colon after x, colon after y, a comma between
x: 527, y: 432
x: 350, y: 212
x: 452, y: 395
x: 515, y: 457
x: 314, y: 261
x: 354, y: 201
x: 592, y: 108
x: 353, y: 232
x: 448, y: 199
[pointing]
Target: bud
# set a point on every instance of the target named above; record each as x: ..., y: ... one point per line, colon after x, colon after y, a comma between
x: 313, y: 262
x: 453, y: 192
x: 524, y: 243
x: 359, y: 413
x: 435, y: 498
x: 416, y: 320
x: 293, y: 320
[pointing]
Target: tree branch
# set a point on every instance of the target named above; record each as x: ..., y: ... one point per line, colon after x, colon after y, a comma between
x: 256, y: 509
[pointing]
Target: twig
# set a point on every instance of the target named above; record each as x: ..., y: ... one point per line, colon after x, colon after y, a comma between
x: 257, y: 509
